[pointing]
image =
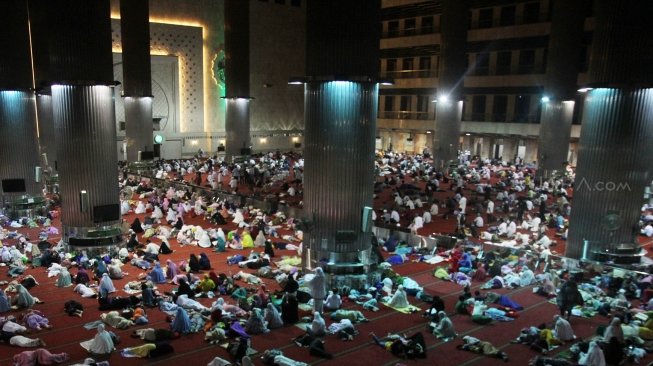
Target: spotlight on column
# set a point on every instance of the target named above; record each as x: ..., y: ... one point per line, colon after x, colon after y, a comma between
x: 296, y: 80
x: 545, y: 99
x: 584, y: 90
x: 83, y: 201
x: 443, y: 99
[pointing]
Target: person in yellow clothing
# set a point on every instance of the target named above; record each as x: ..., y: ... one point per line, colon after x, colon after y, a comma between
x: 247, y: 240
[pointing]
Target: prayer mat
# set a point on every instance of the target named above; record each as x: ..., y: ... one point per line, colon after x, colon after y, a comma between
x: 407, y: 310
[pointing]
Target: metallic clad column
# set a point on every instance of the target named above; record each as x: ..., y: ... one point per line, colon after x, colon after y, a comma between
x: 236, y: 38
x: 19, y: 152
x: 452, y: 71
x: 613, y: 169
x: 136, y: 65
x: 446, y: 134
x: 84, y: 120
x: 614, y: 147
x: 339, y: 152
x: 340, y: 108
x: 555, y: 131
x: 568, y: 18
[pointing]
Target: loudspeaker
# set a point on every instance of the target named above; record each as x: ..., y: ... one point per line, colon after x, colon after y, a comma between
x: 221, y: 148
x: 245, y: 151
x: 83, y: 201
x: 298, y: 145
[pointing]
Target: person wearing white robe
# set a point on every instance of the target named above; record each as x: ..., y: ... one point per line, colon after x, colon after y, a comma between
x: 157, y: 214
x: 198, y: 232
x: 593, y: 357
x: 260, y: 239
x: 220, y: 234
x: 434, y: 209
x: 152, y: 248
x: 238, y: 217
x: 318, y: 289
x: 101, y: 344
x: 399, y: 299
x: 12, y: 327
x: 318, y: 326
x: 85, y: 291
x: 526, y: 277
x: 140, y: 208
x: 171, y: 216
x: 124, y: 207
x: 190, y: 304
x: 25, y: 342
x: 205, y: 240
x: 333, y: 301
x: 426, y: 216
x: 417, y: 224
x: 562, y: 329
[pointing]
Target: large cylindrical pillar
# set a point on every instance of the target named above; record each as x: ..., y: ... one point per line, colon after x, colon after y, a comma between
x: 448, y: 111
x: 236, y: 39
x: 340, y: 104
x: 136, y: 66
x: 84, y: 119
x: 19, y: 153
x: 613, y: 168
x: 567, y: 20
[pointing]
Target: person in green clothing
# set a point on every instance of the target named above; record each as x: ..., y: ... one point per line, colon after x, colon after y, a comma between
x: 461, y: 306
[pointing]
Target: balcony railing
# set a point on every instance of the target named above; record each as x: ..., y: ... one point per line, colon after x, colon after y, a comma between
x: 503, y: 117
x: 406, y: 115
x: 394, y: 33
x: 410, y: 74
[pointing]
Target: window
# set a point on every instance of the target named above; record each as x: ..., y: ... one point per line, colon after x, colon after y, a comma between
x: 407, y: 64
x: 503, y: 62
x: 409, y: 27
x: 425, y: 66
x: 526, y: 61
x: 427, y: 25
x: 391, y: 65
x: 531, y: 13
x: 522, y: 108
x: 507, y: 16
x: 393, y: 28
x: 404, y: 103
x: 482, y: 66
x: 423, y: 105
x: 297, y: 3
x: 485, y: 18
x: 478, y: 108
x: 388, y: 103
x: 499, y: 108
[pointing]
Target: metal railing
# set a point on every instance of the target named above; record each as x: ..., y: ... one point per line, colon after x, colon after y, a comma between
x: 410, y: 74
x: 406, y: 115
x: 407, y: 32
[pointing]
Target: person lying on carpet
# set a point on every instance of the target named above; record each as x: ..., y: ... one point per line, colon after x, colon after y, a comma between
x: 475, y: 345
x: 410, y: 347
x: 40, y: 356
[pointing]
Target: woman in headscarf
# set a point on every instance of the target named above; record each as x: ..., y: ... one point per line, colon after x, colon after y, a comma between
x: 614, y: 330
x: 255, y: 323
x: 546, y: 288
x: 318, y: 326
x: 101, y: 269
x: 136, y: 226
x: 562, y: 329
x: 165, y: 246
x: 204, y: 240
x: 194, y: 263
x: 5, y: 301
x: 185, y: 289
x: 64, y: 279
x: 291, y: 284
x: 399, y: 299
x: 263, y: 296
x: 82, y: 276
x: 289, y: 309
x: 206, y: 284
x: 480, y: 274
x: 101, y: 344
x: 272, y: 317
x: 220, y: 244
x: 40, y: 356
x: 179, y: 224
x: 444, y: 329
x: 568, y: 297
x: 318, y: 289
x: 614, y: 352
x: 269, y: 249
x: 593, y: 357
x: 247, y: 240
x: 106, y: 286
x: 156, y: 274
x: 526, y: 277
x: 181, y: 324
x: 132, y: 243
x: 35, y: 319
x: 23, y: 298
x: 171, y: 270
x: 205, y: 263
x: 260, y: 239
x: 149, y: 299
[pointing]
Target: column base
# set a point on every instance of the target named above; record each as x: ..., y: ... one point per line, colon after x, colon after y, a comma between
x: 26, y: 205
x: 352, y: 269
x: 96, y: 241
